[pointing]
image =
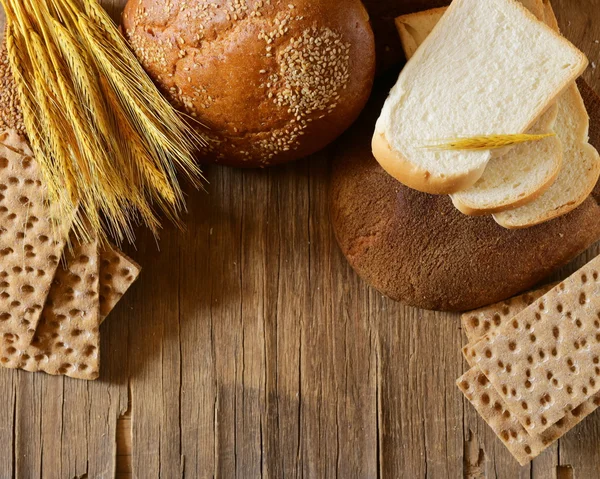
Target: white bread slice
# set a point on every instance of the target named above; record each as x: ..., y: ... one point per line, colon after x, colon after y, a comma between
x: 522, y: 174
x: 515, y: 179
x: 414, y: 28
x: 581, y: 168
x: 453, y: 87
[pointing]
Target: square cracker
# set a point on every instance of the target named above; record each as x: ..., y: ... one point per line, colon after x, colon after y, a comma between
x: 492, y: 408
x: 546, y: 361
x: 32, y: 239
x: 69, y: 344
x: 117, y: 273
x: 480, y: 322
x: 66, y: 340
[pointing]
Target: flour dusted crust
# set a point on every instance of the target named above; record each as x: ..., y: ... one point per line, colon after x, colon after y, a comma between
x: 272, y: 80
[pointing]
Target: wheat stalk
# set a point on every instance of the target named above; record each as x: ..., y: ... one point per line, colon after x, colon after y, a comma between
x: 135, y: 151
x: 133, y: 94
x: 84, y: 78
x: 99, y: 128
x: 30, y: 118
x: 490, y: 142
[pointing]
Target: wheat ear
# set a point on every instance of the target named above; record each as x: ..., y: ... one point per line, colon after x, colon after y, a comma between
x: 489, y: 142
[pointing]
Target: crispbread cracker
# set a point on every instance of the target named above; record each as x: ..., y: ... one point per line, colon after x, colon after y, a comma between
x: 32, y: 238
x: 482, y: 321
x: 54, y: 337
x: 66, y: 340
x: 546, y: 361
x: 118, y: 273
x: 492, y: 408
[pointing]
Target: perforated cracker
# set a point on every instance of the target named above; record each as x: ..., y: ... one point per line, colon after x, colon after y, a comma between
x: 117, y: 274
x: 492, y: 408
x: 66, y: 339
x: 482, y: 321
x: 32, y: 238
x: 70, y: 344
x: 546, y: 361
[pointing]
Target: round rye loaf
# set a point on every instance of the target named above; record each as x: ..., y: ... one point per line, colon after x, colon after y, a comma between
x: 418, y: 249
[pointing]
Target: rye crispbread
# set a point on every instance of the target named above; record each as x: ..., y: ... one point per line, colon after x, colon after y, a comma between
x: 482, y: 321
x: 492, y: 408
x: 69, y: 344
x: 32, y: 238
x: 546, y: 360
x: 117, y: 273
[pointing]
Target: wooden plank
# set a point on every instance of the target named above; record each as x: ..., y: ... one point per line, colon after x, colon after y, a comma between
x: 154, y: 360
x: 253, y: 270
x: 8, y: 417
x: 224, y: 284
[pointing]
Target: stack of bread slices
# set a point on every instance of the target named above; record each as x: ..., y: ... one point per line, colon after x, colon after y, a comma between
x: 490, y: 67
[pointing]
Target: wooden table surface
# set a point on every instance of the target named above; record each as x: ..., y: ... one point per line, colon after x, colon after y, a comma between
x: 250, y: 348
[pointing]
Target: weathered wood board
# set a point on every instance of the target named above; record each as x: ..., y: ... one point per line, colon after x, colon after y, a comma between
x: 250, y: 348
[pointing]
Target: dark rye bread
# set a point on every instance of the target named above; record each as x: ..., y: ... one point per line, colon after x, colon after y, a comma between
x: 418, y: 249
x: 274, y: 80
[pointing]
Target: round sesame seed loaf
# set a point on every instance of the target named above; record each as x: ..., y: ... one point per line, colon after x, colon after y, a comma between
x: 272, y: 80
x: 418, y: 249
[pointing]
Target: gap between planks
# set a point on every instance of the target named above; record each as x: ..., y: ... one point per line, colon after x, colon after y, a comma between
x: 124, y: 444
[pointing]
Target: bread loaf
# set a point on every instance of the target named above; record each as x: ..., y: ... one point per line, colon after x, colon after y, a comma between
x: 272, y: 81
x: 417, y: 248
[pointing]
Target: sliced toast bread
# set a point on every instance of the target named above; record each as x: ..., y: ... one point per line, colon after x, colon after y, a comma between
x: 581, y: 167
x: 529, y: 66
x: 578, y: 176
x: 525, y: 172
x: 414, y: 28
x: 517, y: 178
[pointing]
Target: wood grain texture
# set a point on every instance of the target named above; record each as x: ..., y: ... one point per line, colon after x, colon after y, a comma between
x: 249, y: 348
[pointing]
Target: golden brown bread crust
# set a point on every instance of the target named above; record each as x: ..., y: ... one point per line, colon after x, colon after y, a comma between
x: 274, y: 80
x: 413, y: 176
x: 418, y: 249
